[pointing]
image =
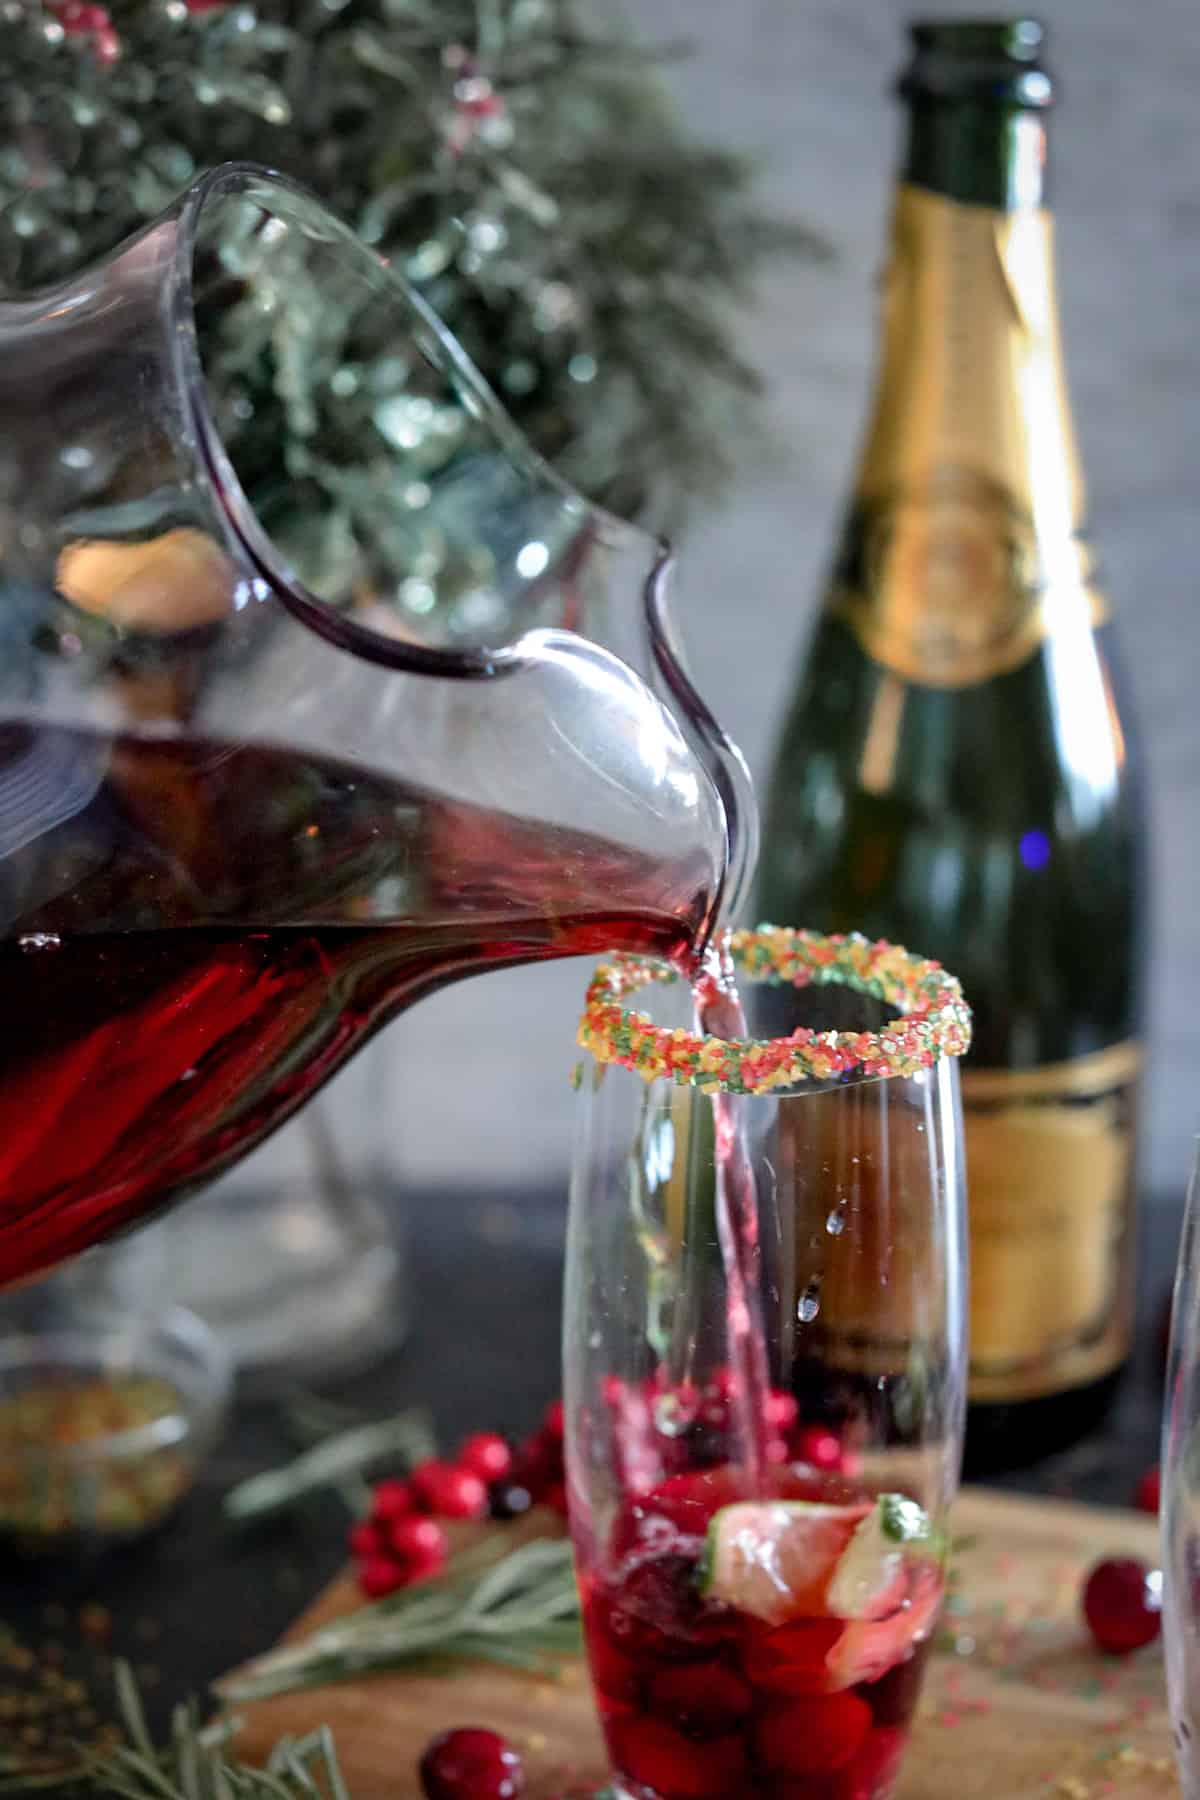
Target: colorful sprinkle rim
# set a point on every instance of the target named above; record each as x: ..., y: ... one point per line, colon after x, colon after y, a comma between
x: 935, y: 1021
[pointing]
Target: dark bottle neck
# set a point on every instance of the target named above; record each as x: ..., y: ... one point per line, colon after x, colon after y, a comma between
x: 977, y: 95
x: 980, y: 156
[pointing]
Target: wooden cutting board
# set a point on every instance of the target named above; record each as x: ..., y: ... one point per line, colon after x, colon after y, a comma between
x: 1017, y: 1703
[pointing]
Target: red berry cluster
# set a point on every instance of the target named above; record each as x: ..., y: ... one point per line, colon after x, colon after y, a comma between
x: 401, y: 1541
x: 78, y: 19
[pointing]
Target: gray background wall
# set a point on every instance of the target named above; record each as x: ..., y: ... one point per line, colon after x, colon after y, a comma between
x: 802, y: 86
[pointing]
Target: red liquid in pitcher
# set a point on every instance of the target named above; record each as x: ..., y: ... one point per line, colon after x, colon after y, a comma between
x: 197, y: 947
x: 701, y: 1696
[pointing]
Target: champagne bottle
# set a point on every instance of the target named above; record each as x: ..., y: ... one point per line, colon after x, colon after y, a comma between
x: 956, y: 770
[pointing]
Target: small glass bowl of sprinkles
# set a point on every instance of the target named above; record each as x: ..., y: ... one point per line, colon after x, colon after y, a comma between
x: 104, y: 1426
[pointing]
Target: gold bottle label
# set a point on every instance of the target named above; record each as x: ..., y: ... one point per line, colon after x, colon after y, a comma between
x: 1050, y: 1203
x: 1050, y: 1200
x: 963, y: 549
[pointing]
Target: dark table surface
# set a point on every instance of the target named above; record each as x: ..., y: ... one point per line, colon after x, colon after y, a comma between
x: 483, y: 1352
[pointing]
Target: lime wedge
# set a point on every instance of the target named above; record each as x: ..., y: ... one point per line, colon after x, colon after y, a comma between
x: 869, y: 1581
x: 774, y: 1559
x: 789, y: 1559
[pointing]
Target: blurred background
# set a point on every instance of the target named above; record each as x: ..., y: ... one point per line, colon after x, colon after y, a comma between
x: 698, y: 261
x: 805, y: 91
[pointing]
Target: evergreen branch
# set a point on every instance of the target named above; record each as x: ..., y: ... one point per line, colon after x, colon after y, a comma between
x: 578, y: 171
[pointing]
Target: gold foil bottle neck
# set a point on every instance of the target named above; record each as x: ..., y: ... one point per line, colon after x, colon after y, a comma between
x: 970, y: 500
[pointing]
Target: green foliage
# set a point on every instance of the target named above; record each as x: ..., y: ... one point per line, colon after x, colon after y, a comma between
x: 521, y: 162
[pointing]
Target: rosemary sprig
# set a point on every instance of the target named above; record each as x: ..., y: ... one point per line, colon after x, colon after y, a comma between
x: 336, y: 1462
x: 519, y: 1608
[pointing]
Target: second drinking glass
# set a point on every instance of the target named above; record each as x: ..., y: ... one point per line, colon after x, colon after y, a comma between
x: 764, y: 1367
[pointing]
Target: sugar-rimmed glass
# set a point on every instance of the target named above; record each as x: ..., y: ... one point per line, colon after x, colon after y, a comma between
x: 761, y: 1580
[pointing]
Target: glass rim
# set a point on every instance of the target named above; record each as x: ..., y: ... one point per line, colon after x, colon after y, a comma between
x: 439, y: 343
x: 934, y: 1021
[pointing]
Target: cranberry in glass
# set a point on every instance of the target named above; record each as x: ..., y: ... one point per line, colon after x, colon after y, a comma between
x: 1122, y: 1603
x: 654, y: 1755
x: 471, y: 1764
x: 819, y: 1447
x: 704, y: 1699
x: 813, y: 1736
x: 781, y: 1410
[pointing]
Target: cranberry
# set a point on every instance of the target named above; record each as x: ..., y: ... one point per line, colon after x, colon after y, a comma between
x: 820, y: 1448
x: 391, y: 1500
x: 1149, y: 1491
x: 656, y: 1613
x: 721, y: 1386
x: 420, y: 1544
x: 780, y: 1410
x: 487, y: 1455
x: 1121, y: 1603
x: 508, y: 1499
x: 704, y: 1699
x: 553, y: 1423
x: 794, y: 1659
x: 613, y: 1392
x: 471, y: 1764
x: 811, y: 1736
x: 452, y: 1493
x: 381, y: 1575
x: 653, y: 1755
x: 614, y: 1675
x: 873, y: 1771
x: 555, y: 1498
x: 681, y: 1505
x: 365, y: 1539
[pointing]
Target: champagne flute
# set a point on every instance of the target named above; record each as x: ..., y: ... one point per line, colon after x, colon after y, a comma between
x: 760, y: 1540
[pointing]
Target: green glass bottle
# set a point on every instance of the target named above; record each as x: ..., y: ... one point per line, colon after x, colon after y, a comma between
x: 955, y: 772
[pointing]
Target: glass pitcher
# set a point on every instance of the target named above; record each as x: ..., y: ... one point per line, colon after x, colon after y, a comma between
x: 319, y: 690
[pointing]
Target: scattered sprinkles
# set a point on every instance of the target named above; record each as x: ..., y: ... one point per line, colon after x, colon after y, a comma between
x: 48, y: 1715
x: 1013, y: 1638
x: 935, y: 1019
